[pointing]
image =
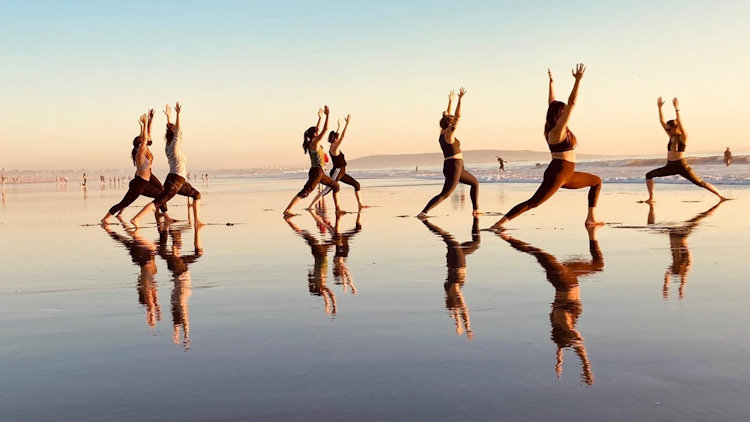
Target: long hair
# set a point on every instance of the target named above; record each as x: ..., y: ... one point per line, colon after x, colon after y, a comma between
x: 333, y: 136
x: 308, y: 137
x: 554, y: 111
x: 136, y: 144
x: 445, y: 121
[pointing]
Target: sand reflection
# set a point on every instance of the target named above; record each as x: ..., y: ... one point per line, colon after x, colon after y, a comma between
x: 454, y: 281
x: 678, y: 246
x: 567, y: 307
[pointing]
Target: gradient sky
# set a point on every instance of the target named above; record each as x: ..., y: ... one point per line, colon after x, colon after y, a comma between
x: 252, y: 74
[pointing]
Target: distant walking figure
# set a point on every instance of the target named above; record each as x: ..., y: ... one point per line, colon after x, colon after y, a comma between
x: 501, y: 163
x: 728, y: 160
x: 453, y: 159
x: 338, y: 172
x: 144, y: 182
x: 175, y: 182
x: 560, y: 172
x: 316, y: 174
x: 676, y: 163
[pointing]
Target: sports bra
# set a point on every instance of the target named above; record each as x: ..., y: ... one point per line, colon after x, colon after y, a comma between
x: 680, y: 145
x: 338, y: 160
x: 146, y: 165
x: 566, y: 145
x: 316, y: 157
x: 449, y: 150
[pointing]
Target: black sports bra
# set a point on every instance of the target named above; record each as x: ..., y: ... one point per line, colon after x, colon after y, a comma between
x: 566, y: 145
x: 680, y: 145
x: 449, y: 150
x: 338, y: 160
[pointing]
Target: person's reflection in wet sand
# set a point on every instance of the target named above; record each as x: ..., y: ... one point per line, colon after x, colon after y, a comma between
x: 341, y: 274
x: 454, y: 281
x: 567, y: 306
x: 143, y: 253
x: 681, y: 260
x: 316, y: 278
x: 178, y: 266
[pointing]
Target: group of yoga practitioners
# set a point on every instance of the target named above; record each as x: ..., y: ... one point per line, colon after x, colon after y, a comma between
x: 145, y: 183
x: 560, y: 172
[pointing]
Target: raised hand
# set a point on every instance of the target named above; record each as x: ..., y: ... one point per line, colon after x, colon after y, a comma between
x: 578, y: 72
x: 326, y: 110
x: 168, y: 111
x: 177, y: 107
x: 320, y: 112
x: 348, y: 117
x: 150, y: 114
x: 452, y: 95
x: 659, y: 102
x: 549, y: 73
x: 143, y: 119
x: 461, y: 92
x: 676, y: 104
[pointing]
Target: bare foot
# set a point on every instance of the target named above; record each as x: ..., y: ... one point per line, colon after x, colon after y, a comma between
x: 593, y: 222
x: 104, y: 221
x: 134, y: 222
x: 363, y: 206
x: 497, y: 228
x: 476, y: 213
x: 341, y: 212
x: 168, y: 219
x: 650, y: 201
x: 199, y: 223
x: 288, y: 213
x: 422, y: 216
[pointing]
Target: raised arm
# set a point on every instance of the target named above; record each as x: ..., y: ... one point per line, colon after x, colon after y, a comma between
x: 457, y: 115
x: 551, y: 88
x: 168, y: 112
x: 562, y: 122
x: 150, y: 120
x: 322, y: 132
x: 660, y: 103
x: 451, y: 97
x: 678, y: 120
x: 177, y: 109
x: 346, y: 125
x: 144, y: 140
x: 320, y: 119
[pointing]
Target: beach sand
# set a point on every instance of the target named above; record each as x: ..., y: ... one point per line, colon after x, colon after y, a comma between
x: 82, y: 338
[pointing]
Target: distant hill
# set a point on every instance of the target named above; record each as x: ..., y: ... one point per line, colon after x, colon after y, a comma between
x: 482, y: 156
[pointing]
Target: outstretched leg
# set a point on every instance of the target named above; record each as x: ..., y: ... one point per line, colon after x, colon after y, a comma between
x: 688, y: 173
x: 452, y: 172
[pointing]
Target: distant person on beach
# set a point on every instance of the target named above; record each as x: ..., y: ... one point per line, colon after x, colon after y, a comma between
x: 144, y: 183
x: 175, y: 182
x: 311, y: 145
x: 676, y: 163
x: 560, y: 172
x: 84, y: 180
x: 501, y: 163
x: 567, y: 306
x: 453, y: 159
x: 338, y: 172
x: 728, y: 160
x: 456, y: 277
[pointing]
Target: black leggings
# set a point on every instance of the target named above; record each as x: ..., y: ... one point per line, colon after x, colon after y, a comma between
x: 340, y: 174
x: 314, y: 176
x: 680, y: 167
x: 559, y: 174
x: 137, y: 187
x: 454, y: 172
x: 173, y: 185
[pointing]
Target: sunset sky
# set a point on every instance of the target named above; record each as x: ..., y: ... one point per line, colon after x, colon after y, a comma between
x: 252, y: 74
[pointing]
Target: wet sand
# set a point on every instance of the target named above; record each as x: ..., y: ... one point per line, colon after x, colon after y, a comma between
x: 257, y: 321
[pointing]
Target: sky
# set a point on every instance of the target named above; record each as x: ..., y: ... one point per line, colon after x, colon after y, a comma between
x: 251, y: 76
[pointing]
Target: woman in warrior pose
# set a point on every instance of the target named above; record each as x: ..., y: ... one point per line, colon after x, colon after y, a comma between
x: 175, y: 182
x: 676, y: 163
x: 338, y: 172
x: 144, y: 183
x: 453, y: 159
x: 316, y: 174
x: 560, y: 172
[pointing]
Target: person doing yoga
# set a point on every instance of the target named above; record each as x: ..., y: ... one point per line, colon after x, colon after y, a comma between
x: 144, y: 183
x: 338, y: 172
x: 560, y: 172
x: 453, y: 159
x: 676, y: 163
x: 316, y: 174
x: 175, y: 182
